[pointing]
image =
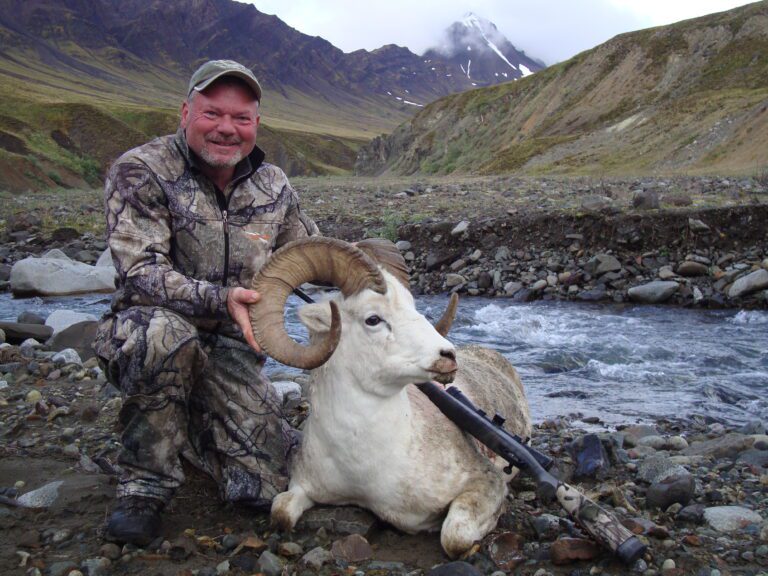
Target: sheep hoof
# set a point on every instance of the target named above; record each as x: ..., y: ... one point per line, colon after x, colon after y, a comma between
x: 288, y: 507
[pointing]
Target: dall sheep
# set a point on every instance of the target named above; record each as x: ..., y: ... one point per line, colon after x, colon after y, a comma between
x: 372, y: 439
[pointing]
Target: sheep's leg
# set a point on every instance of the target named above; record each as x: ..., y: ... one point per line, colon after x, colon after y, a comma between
x: 288, y: 507
x: 472, y: 515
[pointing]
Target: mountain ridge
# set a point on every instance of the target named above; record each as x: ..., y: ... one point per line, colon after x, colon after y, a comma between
x: 690, y: 97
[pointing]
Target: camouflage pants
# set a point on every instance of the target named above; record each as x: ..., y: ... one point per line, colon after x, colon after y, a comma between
x: 196, y: 394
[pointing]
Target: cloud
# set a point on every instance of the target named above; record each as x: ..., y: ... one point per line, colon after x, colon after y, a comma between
x: 550, y: 30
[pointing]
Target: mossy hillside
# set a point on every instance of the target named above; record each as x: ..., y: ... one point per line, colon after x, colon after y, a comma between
x: 673, y: 99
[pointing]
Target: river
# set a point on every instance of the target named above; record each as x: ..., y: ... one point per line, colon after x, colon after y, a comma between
x: 620, y: 363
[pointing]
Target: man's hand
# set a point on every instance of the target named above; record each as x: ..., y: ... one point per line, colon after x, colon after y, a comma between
x: 238, y: 301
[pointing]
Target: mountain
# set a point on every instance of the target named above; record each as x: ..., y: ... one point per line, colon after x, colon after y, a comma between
x: 83, y: 80
x: 691, y: 97
x: 475, y: 49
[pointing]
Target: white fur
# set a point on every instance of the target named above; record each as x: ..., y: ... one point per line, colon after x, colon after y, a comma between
x: 373, y: 440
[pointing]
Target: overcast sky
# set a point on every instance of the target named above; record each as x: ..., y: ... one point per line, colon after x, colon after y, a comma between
x: 551, y: 30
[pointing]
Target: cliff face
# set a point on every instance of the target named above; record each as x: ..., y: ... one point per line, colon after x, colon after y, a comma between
x: 690, y: 97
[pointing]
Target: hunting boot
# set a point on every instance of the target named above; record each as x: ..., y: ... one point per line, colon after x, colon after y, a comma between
x: 135, y: 520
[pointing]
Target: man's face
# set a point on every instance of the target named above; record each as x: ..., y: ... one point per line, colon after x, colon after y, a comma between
x: 220, y: 123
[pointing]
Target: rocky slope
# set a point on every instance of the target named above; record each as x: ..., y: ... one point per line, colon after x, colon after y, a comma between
x: 687, y: 98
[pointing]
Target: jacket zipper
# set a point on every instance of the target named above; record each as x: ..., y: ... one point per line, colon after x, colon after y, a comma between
x: 223, y: 203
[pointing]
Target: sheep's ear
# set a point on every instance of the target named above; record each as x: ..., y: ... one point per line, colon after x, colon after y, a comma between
x: 316, y: 317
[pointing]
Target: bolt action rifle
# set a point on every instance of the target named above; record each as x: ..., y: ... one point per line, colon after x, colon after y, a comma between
x: 598, y: 522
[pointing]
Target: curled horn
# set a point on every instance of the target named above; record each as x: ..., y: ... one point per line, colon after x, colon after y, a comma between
x: 444, y: 324
x: 318, y: 259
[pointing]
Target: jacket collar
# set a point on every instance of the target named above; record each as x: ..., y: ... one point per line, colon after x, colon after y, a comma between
x: 244, y: 169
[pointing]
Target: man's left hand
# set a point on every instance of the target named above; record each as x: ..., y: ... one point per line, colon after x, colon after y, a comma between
x: 238, y: 301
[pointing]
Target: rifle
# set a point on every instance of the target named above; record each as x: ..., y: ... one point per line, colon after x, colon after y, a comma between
x: 598, y: 522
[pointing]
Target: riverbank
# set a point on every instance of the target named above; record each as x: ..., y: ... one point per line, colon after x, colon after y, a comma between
x: 689, y: 241
x: 695, y: 491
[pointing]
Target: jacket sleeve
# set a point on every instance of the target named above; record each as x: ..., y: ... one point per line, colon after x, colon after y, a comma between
x: 296, y: 224
x: 139, y: 237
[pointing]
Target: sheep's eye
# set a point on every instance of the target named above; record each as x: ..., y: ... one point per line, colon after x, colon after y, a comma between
x: 372, y: 320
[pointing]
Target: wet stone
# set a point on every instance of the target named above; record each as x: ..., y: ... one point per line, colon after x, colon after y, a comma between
x: 731, y: 518
x: 590, y: 456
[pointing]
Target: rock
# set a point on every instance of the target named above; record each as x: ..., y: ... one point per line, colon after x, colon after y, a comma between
x: 506, y: 550
x: 460, y: 228
x: 28, y: 317
x: 567, y: 550
x: 654, y: 292
x: 511, y: 288
x: 452, y: 280
x: 757, y: 280
x: 289, y: 549
x: 224, y: 567
x: 316, y: 558
x: 62, y: 319
x: 353, y: 548
x: 754, y: 458
x: 666, y: 273
x: 502, y: 253
x: 33, y: 397
x: 729, y: 446
x: 269, y: 564
x: 403, y: 245
x: 78, y: 336
x: 110, y: 550
x: 105, y: 260
x: 656, y: 468
x: 693, y: 513
x: 678, y: 199
x: 538, y: 286
x: 752, y: 427
x: 655, y: 442
x: 286, y: 390
x: 65, y: 357
x: 645, y: 199
x: 601, y: 264
x: 697, y: 225
x: 49, y: 276
x: 96, y: 566
x: 691, y: 269
x: 595, y: 294
x: 61, y: 568
x: 16, y: 333
x: 590, y: 456
x: 672, y: 489
x: 338, y: 520
x: 455, y: 569
x: 595, y: 203
x: 245, y: 562
x: 731, y: 518
x: 667, y: 566
x: 547, y: 526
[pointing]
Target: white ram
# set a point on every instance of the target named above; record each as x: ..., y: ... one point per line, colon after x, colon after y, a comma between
x: 371, y: 438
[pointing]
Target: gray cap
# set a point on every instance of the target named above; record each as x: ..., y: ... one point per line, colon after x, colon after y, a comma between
x: 212, y: 70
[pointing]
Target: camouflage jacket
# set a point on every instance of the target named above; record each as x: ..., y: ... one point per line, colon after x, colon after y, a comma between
x: 178, y: 242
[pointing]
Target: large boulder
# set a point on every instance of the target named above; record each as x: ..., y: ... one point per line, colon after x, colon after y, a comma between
x: 61, y: 319
x: 57, y: 275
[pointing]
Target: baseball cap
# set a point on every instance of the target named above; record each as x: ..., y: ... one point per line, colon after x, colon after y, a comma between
x: 215, y: 69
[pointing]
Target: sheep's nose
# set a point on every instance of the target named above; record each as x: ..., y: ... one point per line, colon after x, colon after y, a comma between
x: 450, y: 354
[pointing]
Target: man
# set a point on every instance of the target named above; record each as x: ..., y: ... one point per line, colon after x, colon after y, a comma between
x: 191, y: 218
